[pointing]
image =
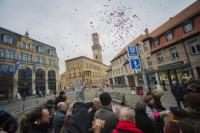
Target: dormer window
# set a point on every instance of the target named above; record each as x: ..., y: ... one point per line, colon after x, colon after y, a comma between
x: 40, y: 49
x: 156, y: 43
x: 188, y: 27
x: 7, y: 39
x: 169, y: 36
x: 50, y: 51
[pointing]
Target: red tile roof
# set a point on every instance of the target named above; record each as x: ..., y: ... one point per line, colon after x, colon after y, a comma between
x: 177, y: 19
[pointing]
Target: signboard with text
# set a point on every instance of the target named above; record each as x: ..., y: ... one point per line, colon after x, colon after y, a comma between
x: 132, y: 51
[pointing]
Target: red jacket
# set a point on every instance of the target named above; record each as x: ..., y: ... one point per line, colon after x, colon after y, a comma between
x: 127, y: 126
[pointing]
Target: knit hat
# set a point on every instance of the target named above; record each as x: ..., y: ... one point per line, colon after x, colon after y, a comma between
x: 193, y: 99
x: 105, y: 98
x: 158, y: 92
x: 178, y: 112
x: 62, y: 92
x: 147, y: 98
x: 50, y: 102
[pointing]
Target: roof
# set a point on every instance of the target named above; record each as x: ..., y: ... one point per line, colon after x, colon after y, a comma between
x: 122, y: 52
x: 84, y: 57
x: 185, y: 14
x: 137, y: 39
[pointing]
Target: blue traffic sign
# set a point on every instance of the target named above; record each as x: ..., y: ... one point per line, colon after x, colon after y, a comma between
x: 132, y: 51
x: 135, y: 63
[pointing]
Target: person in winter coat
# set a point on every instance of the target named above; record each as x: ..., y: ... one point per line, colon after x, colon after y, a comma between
x: 59, y: 117
x: 154, y: 115
x: 178, y: 92
x: 7, y: 122
x: 157, y: 94
x: 191, y: 124
x: 38, y: 121
x: 106, y: 113
x: 60, y: 98
x: 79, y: 120
x: 96, y: 106
x: 142, y: 120
x: 126, y: 122
x: 173, y: 118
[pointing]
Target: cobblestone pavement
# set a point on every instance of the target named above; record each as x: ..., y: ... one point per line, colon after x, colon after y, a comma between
x: 167, y: 100
x: 19, y: 107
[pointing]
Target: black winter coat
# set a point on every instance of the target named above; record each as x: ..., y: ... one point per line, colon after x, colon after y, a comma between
x: 144, y: 122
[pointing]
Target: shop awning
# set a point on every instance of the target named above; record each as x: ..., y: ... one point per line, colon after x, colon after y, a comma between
x: 172, y: 67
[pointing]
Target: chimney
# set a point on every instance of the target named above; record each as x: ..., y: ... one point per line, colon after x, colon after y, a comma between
x: 146, y: 31
x: 95, y: 38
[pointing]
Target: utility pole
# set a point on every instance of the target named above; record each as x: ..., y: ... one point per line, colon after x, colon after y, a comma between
x: 144, y: 76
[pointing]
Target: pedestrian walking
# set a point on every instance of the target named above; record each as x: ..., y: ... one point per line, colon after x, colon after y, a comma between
x: 61, y: 98
x: 178, y: 92
x: 157, y: 94
x: 164, y: 85
x: 154, y: 115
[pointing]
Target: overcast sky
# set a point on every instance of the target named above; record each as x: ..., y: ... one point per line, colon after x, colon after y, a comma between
x: 68, y: 24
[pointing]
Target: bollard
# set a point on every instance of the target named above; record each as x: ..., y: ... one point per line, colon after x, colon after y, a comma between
x: 23, y: 107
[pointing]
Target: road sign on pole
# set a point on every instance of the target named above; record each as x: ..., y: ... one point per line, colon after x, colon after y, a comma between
x: 135, y: 63
x: 132, y: 51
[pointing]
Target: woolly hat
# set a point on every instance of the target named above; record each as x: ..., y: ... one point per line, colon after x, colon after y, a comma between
x: 50, y: 102
x: 105, y: 98
x: 147, y: 98
x: 158, y: 92
x: 193, y: 99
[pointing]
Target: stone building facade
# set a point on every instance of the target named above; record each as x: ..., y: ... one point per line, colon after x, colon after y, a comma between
x: 91, y: 71
x: 175, y: 46
x: 26, y: 65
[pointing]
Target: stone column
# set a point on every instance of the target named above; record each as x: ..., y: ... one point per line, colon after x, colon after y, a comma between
x: 15, y: 85
x: 46, y: 82
x: 33, y: 83
x: 157, y: 77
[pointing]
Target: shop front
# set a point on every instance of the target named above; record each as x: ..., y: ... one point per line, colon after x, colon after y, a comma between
x: 120, y: 81
x: 174, y: 72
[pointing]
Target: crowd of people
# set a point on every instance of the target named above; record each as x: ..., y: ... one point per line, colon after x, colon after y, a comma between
x: 60, y: 115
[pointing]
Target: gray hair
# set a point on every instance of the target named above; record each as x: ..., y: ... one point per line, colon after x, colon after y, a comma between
x: 126, y: 114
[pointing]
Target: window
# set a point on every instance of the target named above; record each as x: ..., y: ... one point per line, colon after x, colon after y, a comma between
x: 145, y: 46
x: 169, y: 36
x: 40, y: 49
x: 25, y: 46
x: 188, y: 27
x: 40, y: 60
x: 30, y: 58
x: 50, y: 52
x: 160, y: 58
x: 24, y: 57
x: 2, y: 52
x: 156, y: 43
x: 149, y: 61
x: 10, y: 54
x: 194, y: 47
x: 7, y: 39
x: 53, y: 63
x: 174, y: 54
